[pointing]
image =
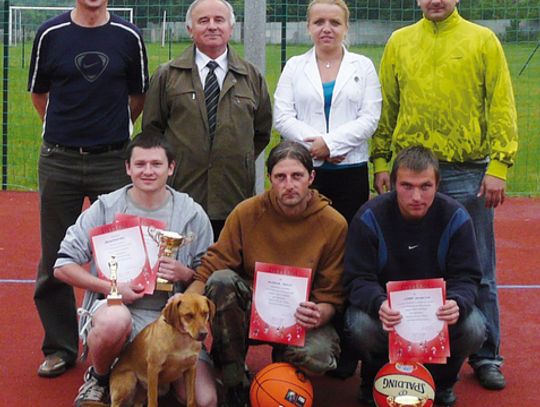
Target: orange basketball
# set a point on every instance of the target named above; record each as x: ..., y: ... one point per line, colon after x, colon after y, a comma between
x: 281, y: 384
x: 403, y: 380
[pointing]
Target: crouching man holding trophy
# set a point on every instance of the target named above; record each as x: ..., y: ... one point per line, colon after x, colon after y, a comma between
x: 106, y: 329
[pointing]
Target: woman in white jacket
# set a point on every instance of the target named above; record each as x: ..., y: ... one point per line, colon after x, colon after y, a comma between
x: 330, y: 100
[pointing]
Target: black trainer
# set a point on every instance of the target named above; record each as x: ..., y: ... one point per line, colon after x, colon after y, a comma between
x: 490, y: 377
x: 445, y: 397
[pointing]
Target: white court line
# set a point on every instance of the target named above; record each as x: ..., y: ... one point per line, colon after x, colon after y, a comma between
x: 8, y: 281
x: 504, y: 286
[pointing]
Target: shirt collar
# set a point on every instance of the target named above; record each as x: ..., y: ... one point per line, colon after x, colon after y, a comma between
x: 450, y: 22
x: 202, y: 59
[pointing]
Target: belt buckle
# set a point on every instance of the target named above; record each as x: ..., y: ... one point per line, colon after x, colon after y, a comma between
x: 82, y: 151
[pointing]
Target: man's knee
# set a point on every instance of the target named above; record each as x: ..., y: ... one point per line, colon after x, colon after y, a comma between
x: 363, y: 333
x: 220, y: 280
x: 220, y: 287
x: 226, y: 287
x: 110, y: 326
x: 319, y: 353
x: 468, y: 336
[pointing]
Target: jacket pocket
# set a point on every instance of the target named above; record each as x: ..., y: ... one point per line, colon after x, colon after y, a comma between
x: 243, y: 104
x: 185, y: 98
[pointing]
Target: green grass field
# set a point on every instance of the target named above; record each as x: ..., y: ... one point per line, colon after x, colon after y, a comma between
x: 24, y: 127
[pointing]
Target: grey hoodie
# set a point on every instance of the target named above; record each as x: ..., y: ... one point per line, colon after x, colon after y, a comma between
x: 187, y: 216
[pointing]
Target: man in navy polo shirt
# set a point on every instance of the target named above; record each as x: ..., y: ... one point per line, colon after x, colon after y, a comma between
x: 87, y: 79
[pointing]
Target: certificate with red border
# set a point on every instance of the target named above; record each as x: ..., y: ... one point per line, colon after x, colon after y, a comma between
x: 420, y: 336
x: 150, y: 243
x: 124, y: 240
x: 277, y: 292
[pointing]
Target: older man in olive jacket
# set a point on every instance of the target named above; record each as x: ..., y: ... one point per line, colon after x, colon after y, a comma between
x: 215, y: 161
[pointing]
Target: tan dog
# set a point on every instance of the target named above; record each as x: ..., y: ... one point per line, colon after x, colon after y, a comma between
x: 163, y: 352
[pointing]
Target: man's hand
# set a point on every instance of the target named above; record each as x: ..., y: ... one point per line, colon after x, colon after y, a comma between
x: 336, y: 160
x: 381, y: 182
x: 40, y: 100
x: 389, y: 317
x: 449, y: 312
x: 492, y: 188
x: 308, y: 315
x: 319, y: 150
x: 130, y: 291
x: 173, y: 271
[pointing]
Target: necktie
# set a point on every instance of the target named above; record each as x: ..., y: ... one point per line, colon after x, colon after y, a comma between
x: 211, y: 97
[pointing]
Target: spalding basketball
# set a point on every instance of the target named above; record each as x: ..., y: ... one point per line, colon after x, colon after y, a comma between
x: 281, y: 384
x: 403, y: 380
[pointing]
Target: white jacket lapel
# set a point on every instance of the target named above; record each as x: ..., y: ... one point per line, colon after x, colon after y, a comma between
x: 312, y: 72
x: 346, y: 71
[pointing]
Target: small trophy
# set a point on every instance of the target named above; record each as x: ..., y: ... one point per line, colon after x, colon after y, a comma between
x: 169, y: 244
x: 405, y: 401
x: 114, y: 297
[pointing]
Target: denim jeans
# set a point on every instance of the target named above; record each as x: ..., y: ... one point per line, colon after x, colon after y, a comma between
x: 65, y: 179
x: 367, y: 337
x: 462, y: 182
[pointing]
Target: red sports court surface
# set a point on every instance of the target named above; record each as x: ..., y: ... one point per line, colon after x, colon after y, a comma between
x: 517, y: 231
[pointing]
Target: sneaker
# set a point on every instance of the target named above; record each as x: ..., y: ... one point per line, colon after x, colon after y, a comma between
x: 490, y: 377
x: 92, y: 393
x: 445, y: 397
x: 52, y: 366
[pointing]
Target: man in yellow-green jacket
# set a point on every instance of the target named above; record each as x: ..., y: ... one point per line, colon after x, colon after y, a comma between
x: 446, y: 86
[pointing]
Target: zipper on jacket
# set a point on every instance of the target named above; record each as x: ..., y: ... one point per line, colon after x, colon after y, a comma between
x: 433, y: 74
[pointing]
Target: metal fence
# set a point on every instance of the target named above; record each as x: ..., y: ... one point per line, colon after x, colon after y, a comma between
x: 517, y: 24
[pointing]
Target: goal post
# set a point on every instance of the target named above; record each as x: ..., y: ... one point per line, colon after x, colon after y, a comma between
x: 15, y: 17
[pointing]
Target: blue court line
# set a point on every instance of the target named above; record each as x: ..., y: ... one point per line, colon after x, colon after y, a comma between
x: 504, y: 286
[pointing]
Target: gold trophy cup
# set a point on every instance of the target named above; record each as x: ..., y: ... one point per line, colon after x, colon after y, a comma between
x: 405, y: 401
x: 169, y: 244
x: 114, y: 297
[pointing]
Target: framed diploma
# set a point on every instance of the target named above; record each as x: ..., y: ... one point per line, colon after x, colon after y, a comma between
x: 124, y: 240
x: 277, y: 292
x: 420, y: 336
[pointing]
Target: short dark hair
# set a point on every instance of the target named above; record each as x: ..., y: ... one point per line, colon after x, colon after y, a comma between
x: 150, y: 139
x: 416, y: 159
x: 289, y: 149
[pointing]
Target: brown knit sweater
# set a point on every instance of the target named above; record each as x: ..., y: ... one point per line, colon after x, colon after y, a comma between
x: 257, y: 230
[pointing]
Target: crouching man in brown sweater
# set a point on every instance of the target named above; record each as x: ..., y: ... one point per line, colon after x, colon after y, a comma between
x: 290, y: 224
